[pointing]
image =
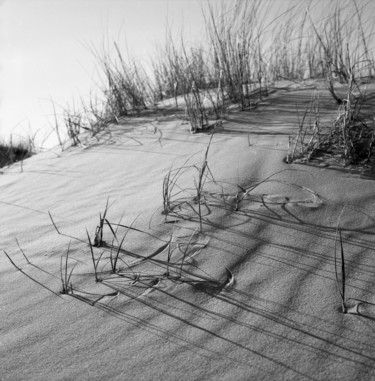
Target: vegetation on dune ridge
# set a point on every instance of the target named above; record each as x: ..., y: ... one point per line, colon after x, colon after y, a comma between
x: 243, y: 54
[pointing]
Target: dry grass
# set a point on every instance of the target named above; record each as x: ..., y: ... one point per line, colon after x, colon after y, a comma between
x: 12, y: 152
x: 241, y: 56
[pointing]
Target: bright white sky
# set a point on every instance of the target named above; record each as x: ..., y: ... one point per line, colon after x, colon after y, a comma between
x: 43, y: 48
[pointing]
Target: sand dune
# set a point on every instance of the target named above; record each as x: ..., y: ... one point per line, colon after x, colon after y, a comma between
x: 251, y: 295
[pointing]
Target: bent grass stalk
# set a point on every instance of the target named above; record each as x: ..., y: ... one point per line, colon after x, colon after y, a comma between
x: 24, y: 255
x: 27, y: 275
x: 58, y: 231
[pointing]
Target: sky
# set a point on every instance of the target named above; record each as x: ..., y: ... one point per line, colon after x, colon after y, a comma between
x: 44, y: 50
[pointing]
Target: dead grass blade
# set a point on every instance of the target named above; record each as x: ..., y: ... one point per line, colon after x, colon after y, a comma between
x: 27, y: 260
x: 340, y: 280
x: 66, y: 285
x: 95, y: 262
x: 28, y: 276
x: 58, y: 231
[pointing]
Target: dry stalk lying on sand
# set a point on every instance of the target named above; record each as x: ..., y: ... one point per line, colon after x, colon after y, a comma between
x: 27, y: 275
x: 60, y: 233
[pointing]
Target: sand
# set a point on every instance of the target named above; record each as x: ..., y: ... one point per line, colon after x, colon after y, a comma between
x: 252, y: 296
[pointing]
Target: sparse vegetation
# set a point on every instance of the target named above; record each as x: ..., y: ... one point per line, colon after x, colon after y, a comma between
x: 173, y: 201
x: 143, y: 275
x: 241, y: 57
x: 237, y: 65
x: 12, y: 152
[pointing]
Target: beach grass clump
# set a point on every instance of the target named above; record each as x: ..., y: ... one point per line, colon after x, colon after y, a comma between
x: 294, y: 53
x: 13, y: 152
x: 175, y: 196
x: 170, y: 182
x: 128, y: 87
x: 73, y: 121
x: 349, y: 136
x: 95, y: 116
x: 343, y: 40
x: 193, y: 85
x: 248, y: 46
x: 183, y: 72
x: 352, y: 132
x: 308, y: 138
x: 344, y: 37
x: 195, y: 110
x: 70, y: 121
x: 235, y: 43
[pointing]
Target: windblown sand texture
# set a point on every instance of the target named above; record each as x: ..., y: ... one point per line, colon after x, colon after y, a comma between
x: 252, y: 297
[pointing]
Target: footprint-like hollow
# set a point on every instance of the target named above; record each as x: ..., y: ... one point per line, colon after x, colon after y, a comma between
x: 213, y: 286
x: 304, y: 197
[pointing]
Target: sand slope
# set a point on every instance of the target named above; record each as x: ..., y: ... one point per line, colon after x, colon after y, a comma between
x: 253, y: 296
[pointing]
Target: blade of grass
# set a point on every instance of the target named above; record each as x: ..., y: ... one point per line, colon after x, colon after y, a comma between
x: 28, y: 276
x: 22, y: 252
x: 58, y: 231
x: 186, y: 250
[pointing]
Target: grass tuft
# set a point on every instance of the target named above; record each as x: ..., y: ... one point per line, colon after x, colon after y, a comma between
x: 12, y: 152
